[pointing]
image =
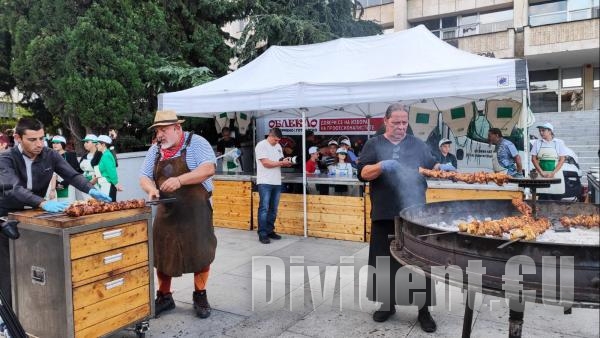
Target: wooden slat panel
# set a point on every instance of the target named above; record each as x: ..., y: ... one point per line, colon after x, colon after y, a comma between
x: 336, y: 200
x: 223, y: 217
x: 109, y: 274
x: 355, y: 229
x: 95, y: 265
x: 113, y: 321
x: 440, y: 195
x: 333, y: 235
x: 92, y: 242
x: 101, y: 290
x: 232, y: 204
x: 226, y: 200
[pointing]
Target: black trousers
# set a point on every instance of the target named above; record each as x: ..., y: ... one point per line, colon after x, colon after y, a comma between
x: 5, y: 284
x: 380, y: 246
x: 113, y: 193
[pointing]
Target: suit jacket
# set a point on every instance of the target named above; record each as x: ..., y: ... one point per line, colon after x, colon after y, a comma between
x: 13, y: 172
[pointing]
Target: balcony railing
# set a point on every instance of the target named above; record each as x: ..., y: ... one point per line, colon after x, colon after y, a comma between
x: 473, y: 29
x: 563, y: 16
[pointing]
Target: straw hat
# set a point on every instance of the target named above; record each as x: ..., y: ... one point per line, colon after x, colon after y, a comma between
x: 165, y: 118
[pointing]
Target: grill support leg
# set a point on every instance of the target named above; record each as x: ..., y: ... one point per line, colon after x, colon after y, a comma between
x: 468, y: 318
x: 515, y: 318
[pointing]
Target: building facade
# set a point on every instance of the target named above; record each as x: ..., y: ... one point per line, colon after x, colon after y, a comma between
x: 560, y: 40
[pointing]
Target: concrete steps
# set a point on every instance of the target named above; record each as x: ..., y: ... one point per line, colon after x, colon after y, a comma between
x: 579, y: 130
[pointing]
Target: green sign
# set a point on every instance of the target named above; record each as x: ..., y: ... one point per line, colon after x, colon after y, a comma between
x: 504, y: 113
x: 458, y: 113
x: 422, y: 118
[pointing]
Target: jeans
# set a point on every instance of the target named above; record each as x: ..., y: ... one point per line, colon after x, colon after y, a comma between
x: 267, y: 208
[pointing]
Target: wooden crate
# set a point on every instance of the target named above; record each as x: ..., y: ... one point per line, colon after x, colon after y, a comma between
x: 93, y: 274
x: 336, y: 217
x: 232, y: 204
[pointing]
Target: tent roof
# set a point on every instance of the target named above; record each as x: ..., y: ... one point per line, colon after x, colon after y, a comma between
x: 407, y: 65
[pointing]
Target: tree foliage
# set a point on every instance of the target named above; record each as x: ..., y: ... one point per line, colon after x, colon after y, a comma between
x: 297, y: 22
x: 99, y: 65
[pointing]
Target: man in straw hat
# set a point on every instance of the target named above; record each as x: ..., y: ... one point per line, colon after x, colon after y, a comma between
x: 180, y: 165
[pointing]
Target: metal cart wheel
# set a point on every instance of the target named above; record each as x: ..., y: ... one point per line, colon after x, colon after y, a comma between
x: 141, y: 328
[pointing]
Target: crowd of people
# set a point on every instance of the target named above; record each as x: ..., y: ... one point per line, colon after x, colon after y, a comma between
x: 182, y: 165
x: 99, y: 165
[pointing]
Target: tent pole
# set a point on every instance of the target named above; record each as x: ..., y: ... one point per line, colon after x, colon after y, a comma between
x: 304, y: 171
x: 254, y: 143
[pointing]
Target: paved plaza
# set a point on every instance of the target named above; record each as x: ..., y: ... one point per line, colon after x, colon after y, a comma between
x: 230, y: 294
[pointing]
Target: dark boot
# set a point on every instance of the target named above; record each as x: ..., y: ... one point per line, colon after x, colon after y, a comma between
x: 162, y: 303
x: 426, y: 321
x: 201, y: 304
x: 383, y: 315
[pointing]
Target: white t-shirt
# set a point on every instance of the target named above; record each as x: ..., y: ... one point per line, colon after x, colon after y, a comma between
x: 557, y: 144
x: 268, y: 175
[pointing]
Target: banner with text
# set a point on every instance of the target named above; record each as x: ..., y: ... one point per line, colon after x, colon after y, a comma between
x: 330, y: 126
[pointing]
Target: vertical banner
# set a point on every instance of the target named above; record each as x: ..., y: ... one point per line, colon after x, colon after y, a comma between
x: 458, y: 118
x: 221, y: 121
x: 422, y: 122
x: 503, y: 114
x: 243, y: 121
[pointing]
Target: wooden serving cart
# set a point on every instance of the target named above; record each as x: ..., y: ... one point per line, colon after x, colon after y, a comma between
x: 83, y: 276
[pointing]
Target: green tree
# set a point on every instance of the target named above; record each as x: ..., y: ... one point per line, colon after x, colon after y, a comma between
x: 98, y: 65
x: 297, y: 22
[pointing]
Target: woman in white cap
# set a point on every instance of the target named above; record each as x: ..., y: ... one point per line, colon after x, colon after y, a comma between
x: 90, y: 160
x: 58, y: 188
x: 341, y: 168
x: 106, y: 171
x: 548, y: 156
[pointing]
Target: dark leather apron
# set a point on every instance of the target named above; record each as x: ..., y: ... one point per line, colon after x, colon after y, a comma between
x: 184, y: 237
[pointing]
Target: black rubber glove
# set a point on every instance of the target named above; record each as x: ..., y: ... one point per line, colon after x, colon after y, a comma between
x: 9, y: 229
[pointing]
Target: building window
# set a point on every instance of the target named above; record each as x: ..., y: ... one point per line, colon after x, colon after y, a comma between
x: 372, y: 3
x: 544, y: 102
x: 572, y: 77
x: 551, y: 12
x: 543, y: 80
x: 452, y: 27
x: 556, y: 90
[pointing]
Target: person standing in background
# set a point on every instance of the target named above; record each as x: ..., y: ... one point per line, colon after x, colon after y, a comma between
x: 505, y: 157
x: 90, y: 160
x: 230, y: 163
x: 60, y: 189
x: 311, y: 164
x: 3, y: 142
x: 347, y: 146
x: 106, y: 171
x: 269, y: 160
x: 446, y: 159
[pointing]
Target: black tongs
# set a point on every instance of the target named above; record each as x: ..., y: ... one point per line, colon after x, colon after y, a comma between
x: 161, y: 201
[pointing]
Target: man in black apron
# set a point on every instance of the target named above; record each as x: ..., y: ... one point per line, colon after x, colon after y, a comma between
x: 180, y: 165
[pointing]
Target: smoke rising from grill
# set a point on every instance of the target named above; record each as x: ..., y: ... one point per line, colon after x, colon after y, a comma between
x: 409, y: 185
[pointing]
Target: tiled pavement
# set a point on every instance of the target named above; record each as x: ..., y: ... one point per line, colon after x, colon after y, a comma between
x: 230, y: 294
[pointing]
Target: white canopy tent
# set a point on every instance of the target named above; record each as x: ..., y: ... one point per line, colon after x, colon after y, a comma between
x: 409, y: 65
x: 356, y: 77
